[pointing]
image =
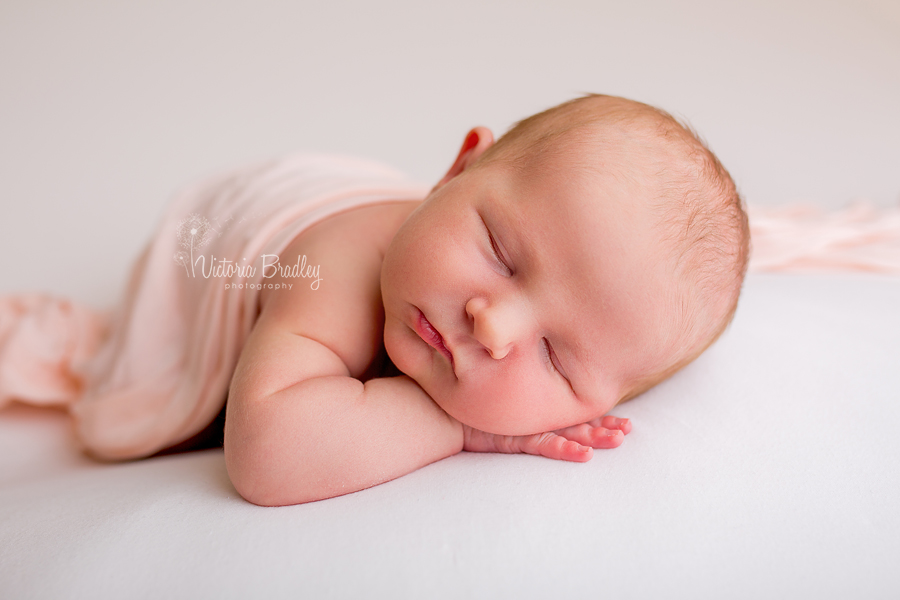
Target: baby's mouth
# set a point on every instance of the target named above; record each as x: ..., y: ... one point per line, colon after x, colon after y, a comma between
x: 432, y: 336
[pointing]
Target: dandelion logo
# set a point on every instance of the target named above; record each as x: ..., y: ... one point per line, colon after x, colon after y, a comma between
x: 193, y: 233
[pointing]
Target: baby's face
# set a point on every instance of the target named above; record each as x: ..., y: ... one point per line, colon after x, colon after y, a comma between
x: 524, y: 303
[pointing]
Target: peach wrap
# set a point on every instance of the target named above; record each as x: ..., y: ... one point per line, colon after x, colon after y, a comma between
x: 157, y: 371
x: 799, y: 237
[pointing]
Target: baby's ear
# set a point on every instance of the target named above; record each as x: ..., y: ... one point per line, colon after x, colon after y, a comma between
x: 477, y: 141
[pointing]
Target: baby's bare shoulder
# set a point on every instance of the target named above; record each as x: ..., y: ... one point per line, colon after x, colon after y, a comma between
x: 328, y: 288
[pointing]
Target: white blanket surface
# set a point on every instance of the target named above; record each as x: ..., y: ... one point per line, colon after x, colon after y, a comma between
x: 768, y: 468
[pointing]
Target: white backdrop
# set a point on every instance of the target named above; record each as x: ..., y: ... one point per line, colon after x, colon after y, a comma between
x: 108, y: 107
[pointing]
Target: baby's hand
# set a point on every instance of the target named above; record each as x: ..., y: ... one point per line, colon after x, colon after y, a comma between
x: 572, y: 443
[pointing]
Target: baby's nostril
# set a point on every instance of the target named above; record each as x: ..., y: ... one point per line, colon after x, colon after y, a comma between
x: 498, y: 354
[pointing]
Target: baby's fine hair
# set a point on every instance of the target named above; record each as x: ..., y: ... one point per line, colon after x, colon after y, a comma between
x: 700, y: 215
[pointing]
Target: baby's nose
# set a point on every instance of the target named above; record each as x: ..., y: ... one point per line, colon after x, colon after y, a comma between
x: 498, y: 351
x: 495, y: 327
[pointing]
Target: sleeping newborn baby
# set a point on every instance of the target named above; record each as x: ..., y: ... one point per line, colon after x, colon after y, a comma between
x: 589, y: 254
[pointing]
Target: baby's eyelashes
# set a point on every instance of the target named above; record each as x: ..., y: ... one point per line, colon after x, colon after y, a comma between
x: 553, y: 360
x: 497, y: 251
x: 498, y: 254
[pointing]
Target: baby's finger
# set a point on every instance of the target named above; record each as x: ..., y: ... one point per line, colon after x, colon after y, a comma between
x: 591, y: 434
x: 607, y: 438
x: 556, y: 447
x: 611, y: 422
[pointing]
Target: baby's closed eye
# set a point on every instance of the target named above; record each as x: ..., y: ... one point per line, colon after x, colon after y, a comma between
x: 497, y: 251
x: 552, y: 359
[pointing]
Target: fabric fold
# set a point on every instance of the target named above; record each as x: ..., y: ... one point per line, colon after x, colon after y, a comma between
x: 805, y: 238
x: 45, y: 343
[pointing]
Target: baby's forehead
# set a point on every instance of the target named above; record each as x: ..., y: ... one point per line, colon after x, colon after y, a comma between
x: 582, y: 196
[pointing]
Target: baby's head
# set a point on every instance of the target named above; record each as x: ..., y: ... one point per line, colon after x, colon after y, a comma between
x: 589, y: 254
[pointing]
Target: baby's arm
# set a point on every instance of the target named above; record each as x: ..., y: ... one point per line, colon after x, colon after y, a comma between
x: 299, y: 428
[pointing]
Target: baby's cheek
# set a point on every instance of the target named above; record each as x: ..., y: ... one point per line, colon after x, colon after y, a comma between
x: 517, y: 407
x: 479, y: 407
x: 441, y: 394
x: 398, y: 348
